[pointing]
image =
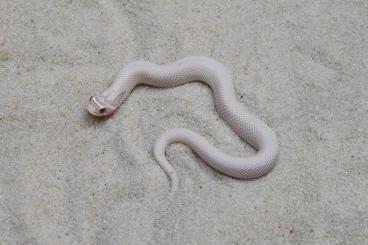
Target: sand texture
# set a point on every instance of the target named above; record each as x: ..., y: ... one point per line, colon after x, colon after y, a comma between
x: 68, y: 178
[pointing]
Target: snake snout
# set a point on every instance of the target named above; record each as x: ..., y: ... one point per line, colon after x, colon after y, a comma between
x: 97, y: 106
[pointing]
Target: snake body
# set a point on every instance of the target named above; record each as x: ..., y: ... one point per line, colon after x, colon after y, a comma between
x: 196, y: 68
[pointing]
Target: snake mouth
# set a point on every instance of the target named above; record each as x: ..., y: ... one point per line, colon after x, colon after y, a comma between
x: 99, y: 113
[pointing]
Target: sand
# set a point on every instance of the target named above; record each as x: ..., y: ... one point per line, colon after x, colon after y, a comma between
x: 68, y: 178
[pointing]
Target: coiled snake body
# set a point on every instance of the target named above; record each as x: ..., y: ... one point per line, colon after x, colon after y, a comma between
x: 213, y: 73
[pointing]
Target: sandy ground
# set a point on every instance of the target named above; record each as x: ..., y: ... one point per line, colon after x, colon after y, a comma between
x: 67, y: 178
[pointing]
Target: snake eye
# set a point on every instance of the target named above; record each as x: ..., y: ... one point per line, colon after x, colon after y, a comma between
x: 90, y: 98
x: 102, y: 110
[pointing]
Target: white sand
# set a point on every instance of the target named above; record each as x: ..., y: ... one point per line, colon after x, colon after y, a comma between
x: 67, y: 178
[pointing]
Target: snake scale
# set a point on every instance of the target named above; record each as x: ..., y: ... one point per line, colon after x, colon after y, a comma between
x: 196, y: 68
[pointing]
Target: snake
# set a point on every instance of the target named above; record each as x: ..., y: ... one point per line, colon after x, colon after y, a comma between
x: 196, y: 68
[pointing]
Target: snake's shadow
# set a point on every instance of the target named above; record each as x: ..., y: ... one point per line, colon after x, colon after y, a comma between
x: 93, y: 121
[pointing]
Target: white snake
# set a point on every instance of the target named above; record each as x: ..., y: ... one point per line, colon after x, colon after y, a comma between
x: 213, y: 73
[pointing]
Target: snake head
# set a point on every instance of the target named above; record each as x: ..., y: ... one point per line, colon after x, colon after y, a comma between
x: 99, y: 106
